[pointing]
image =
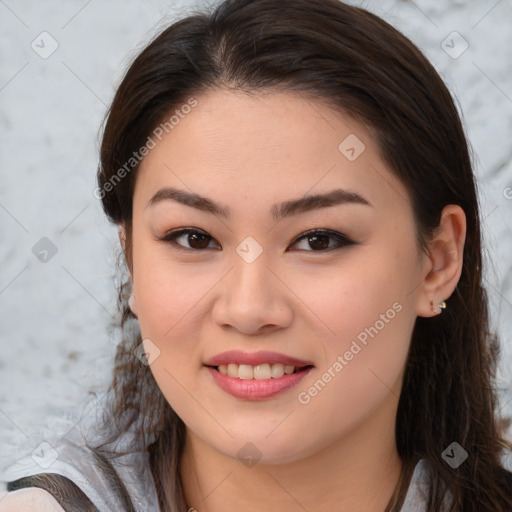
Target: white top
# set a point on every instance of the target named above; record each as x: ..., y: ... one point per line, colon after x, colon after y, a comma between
x: 34, y: 499
x: 67, y: 454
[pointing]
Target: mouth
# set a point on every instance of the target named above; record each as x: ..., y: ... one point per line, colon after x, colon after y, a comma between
x: 265, y: 371
x: 256, y: 383
x: 256, y: 375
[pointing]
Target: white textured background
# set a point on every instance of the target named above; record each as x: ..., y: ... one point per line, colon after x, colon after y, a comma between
x: 55, y: 345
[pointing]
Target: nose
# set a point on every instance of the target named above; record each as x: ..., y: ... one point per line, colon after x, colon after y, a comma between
x: 252, y: 300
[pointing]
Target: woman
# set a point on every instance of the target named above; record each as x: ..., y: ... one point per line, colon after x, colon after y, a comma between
x: 305, y: 323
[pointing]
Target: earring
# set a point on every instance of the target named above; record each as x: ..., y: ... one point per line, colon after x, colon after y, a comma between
x: 440, y: 306
x: 130, y: 302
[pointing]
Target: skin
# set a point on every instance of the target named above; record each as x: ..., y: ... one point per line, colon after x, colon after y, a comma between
x: 338, y: 451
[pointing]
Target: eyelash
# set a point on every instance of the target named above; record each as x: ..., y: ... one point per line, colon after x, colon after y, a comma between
x: 342, y: 240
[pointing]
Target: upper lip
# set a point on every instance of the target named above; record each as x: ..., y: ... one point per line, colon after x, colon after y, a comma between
x: 255, y: 358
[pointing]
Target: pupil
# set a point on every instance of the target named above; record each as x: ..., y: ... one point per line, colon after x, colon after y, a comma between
x: 319, y: 241
x: 198, y: 240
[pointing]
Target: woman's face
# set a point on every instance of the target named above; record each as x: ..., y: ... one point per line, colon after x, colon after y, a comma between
x: 252, y: 277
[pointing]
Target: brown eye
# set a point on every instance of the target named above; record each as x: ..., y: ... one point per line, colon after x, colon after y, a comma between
x: 319, y: 240
x: 196, y: 240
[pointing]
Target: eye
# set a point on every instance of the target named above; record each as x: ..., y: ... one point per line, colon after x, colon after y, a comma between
x: 196, y: 238
x: 320, y: 240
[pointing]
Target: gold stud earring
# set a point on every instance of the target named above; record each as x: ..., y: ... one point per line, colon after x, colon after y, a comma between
x: 440, y: 306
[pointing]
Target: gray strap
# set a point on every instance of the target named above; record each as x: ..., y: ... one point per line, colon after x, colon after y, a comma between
x: 69, y: 496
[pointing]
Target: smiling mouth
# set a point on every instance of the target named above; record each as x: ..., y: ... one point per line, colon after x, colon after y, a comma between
x: 265, y: 371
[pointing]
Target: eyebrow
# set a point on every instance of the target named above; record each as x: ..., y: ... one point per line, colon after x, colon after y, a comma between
x: 279, y: 211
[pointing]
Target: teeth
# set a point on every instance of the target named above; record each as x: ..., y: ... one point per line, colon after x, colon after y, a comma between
x: 262, y: 371
x: 259, y: 372
x: 277, y: 370
x: 289, y: 369
x: 245, y: 371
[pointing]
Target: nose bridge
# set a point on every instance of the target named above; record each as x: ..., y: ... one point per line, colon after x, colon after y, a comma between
x: 251, y: 275
x: 250, y: 286
x: 251, y: 297
x: 252, y: 279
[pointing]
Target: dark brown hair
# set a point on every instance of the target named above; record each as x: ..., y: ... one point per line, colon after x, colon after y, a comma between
x: 360, y: 65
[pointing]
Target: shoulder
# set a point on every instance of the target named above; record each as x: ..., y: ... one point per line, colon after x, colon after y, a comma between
x: 103, y: 470
x: 28, y: 500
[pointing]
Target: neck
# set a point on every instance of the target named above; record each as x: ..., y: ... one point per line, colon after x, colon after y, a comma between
x: 356, y: 472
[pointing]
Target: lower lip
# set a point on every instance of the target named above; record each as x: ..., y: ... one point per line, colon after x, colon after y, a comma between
x: 256, y: 389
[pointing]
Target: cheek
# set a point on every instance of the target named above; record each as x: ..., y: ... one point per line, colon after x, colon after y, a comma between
x: 366, y: 316
x: 346, y: 298
x: 361, y: 373
x: 166, y: 290
x: 168, y: 300
x: 171, y: 307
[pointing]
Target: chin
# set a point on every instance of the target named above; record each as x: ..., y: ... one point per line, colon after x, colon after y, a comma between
x: 251, y: 447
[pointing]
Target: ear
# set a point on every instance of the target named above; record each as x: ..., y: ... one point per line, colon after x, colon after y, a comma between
x: 122, y: 236
x: 443, y: 262
x: 133, y: 304
x: 122, y: 240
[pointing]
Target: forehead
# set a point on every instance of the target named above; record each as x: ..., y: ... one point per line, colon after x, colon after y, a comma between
x: 265, y: 147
